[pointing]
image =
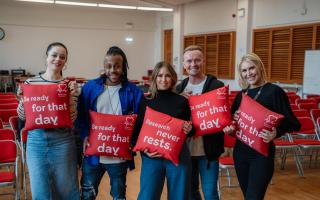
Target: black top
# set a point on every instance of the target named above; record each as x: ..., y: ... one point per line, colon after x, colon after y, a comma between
x: 213, y: 143
x: 276, y: 100
x: 166, y: 102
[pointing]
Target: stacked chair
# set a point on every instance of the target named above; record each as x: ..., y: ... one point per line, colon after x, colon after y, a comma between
x: 305, y: 142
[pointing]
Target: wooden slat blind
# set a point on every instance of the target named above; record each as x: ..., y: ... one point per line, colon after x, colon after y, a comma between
x: 282, y: 50
x: 168, y: 40
x: 219, y: 52
x: 317, y: 37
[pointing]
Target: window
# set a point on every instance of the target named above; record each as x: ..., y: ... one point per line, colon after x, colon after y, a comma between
x: 219, y: 52
x: 282, y: 50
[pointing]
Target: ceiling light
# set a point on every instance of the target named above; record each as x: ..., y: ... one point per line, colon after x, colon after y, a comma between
x: 39, y: 1
x: 155, y: 9
x: 116, y: 6
x: 76, y: 3
x: 129, y: 39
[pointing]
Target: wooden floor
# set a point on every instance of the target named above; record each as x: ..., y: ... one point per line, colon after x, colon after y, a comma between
x: 286, y: 185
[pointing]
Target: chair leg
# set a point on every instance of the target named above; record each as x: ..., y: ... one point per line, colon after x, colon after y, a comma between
x: 229, y: 177
x: 283, y: 159
x: 298, y: 160
x: 24, y: 184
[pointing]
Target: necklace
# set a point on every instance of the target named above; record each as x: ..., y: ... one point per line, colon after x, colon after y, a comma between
x: 258, y: 94
x: 110, y: 100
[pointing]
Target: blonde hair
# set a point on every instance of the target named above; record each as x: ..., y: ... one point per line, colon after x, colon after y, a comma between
x: 192, y: 48
x: 153, y: 87
x: 256, y: 61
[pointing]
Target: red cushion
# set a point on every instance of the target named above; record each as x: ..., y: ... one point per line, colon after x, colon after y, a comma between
x: 46, y: 106
x: 210, y: 112
x: 253, y: 118
x: 110, y: 135
x: 7, y: 177
x: 161, y: 133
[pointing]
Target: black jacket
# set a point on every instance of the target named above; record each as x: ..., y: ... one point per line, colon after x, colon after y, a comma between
x: 213, y: 143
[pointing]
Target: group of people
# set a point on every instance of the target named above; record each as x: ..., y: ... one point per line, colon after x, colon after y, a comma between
x: 51, y: 153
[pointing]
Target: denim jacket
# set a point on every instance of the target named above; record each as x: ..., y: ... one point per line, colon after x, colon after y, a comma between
x: 130, y: 96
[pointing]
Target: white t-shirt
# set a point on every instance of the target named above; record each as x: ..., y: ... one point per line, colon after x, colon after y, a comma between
x: 196, y: 144
x: 109, y: 103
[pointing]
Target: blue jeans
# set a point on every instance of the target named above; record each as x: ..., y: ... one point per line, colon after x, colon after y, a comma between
x: 92, y: 175
x: 209, y: 173
x: 155, y: 170
x: 52, y: 164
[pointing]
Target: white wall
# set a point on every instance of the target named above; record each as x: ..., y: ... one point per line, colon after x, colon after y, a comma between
x: 285, y: 12
x: 87, y: 32
x: 208, y: 16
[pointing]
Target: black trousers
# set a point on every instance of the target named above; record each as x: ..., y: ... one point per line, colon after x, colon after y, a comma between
x: 254, y: 171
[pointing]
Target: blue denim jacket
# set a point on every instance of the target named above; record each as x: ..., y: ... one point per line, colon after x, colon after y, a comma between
x: 130, y: 96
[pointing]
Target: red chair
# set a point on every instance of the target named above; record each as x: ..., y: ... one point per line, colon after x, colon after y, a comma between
x: 7, y: 134
x: 8, y: 100
x: 307, y: 128
x: 298, y: 101
x: 308, y: 106
x: 291, y: 93
x: 13, y: 121
x: 1, y: 124
x: 294, y: 106
x: 9, y: 158
x: 24, y: 137
x: 315, y: 113
x: 8, y: 106
x: 316, y: 99
x: 292, y: 98
x: 6, y: 93
x: 227, y: 164
x: 309, y: 147
x: 284, y: 146
x: 7, y: 96
x: 312, y: 95
x: 301, y: 113
x: 5, y: 114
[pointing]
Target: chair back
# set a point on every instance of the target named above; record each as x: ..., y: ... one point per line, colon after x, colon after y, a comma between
x: 292, y: 98
x: 312, y: 95
x: 5, y: 114
x: 7, y: 134
x: 8, y: 100
x: 8, y: 151
x: 308, y: 106
x: 13, y: 121
x: 294, y: 106
x: 298, y: 101
x: 306, y: 124
x: 315, y: 113
x: 301, y: 113
x: 8, y: 106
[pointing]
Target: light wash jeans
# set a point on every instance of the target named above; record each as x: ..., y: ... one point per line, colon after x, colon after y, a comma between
x: 155, y: 170
x: 209, y: 173
x: 52, y: 164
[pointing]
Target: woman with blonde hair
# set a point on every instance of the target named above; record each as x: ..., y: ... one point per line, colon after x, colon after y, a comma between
x: 254, y: 170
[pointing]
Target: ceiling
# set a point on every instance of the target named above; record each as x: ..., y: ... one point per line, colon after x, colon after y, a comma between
x: 144, y: 3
